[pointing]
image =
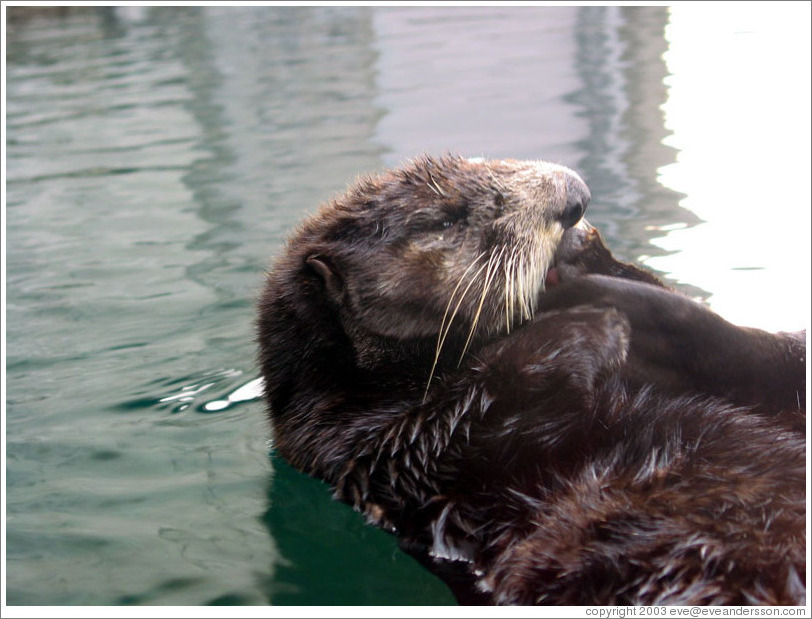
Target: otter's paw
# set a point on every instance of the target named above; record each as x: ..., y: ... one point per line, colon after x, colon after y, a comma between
x: 581, y: 344
x: 582, y: 251
x: 570, y: 349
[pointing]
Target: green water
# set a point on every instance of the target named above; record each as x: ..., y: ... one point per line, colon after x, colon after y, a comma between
x: 155, y: 160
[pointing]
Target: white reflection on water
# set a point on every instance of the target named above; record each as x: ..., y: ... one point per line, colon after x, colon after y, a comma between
x: 252, y: 390
x: 738, y: 107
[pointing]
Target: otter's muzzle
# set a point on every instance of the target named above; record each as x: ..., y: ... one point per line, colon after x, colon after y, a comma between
x: 577, y: 199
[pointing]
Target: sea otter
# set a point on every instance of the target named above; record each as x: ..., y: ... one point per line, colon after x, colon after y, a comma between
x: 454, y: 350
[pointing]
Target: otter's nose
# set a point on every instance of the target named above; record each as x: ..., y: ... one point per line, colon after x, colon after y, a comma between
x: 578, y: 197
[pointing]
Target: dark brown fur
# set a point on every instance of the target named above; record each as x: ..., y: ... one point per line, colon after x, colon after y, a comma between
x: 572, y: 450
x: 678, y: 344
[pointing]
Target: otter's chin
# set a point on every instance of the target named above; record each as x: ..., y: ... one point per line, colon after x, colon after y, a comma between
x: 562, y: 272
x: 581, y: 251
x: 574, y: 242
x: 552, y: 279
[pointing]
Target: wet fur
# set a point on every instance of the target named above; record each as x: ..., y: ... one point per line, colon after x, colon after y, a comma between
x: 546, y: 458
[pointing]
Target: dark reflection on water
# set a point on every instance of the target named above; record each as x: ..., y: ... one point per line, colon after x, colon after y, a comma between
x: 619, y: 61
x: 156, y: 158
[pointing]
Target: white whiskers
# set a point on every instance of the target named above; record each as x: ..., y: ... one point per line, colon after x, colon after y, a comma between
x: 445, y: 325
x: 519, y: 271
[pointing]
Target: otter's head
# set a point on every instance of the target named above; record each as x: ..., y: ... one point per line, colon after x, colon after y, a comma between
x: 440, y: 244
x: 395, y: 279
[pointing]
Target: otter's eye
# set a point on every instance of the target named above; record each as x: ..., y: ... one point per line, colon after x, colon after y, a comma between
x: 454, y: 214
x: 499, y: 203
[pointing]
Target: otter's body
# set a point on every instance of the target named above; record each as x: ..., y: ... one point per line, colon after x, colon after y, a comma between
x: 531, y: 446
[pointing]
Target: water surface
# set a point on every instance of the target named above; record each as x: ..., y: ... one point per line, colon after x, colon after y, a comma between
x: 156, y: 159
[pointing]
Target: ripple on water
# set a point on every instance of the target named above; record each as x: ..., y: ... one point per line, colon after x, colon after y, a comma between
x: 208, y: 392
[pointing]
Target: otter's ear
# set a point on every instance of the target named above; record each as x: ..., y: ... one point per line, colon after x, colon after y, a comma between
x: 327, y: 271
